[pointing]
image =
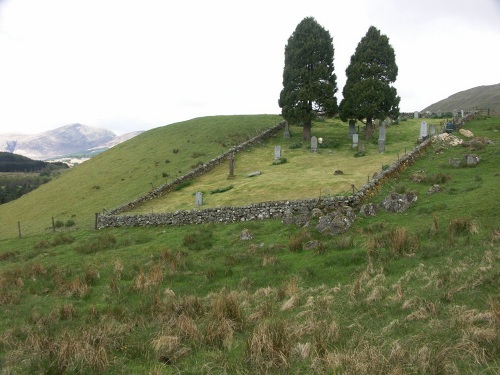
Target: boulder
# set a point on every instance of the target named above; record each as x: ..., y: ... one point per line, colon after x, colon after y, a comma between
x: 472, y: 160
x: 395, y: 202
x: 369, y: 209
x: 434, y: 189
x: 246, y: 235
x: 336, y: 222
x: 466, y: 133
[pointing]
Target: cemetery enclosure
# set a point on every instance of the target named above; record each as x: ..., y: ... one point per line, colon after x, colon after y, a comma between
x: 276, y: 207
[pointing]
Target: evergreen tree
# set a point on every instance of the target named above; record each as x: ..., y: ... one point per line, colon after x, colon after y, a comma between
x: 309, y: 83
x: 368, y: 93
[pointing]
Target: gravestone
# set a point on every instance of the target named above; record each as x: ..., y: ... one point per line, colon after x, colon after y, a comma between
x: 352, y: 128
x: 381, y: 145
x: 286, y: 134
x: 361, y: 147
x: 314, y: 144
x: 432, y: 130
x: 439, y: 114
x: 462, y: 113
x: 423, y: 131
x: 355, y: 140
x: 415, y: 114
x: 232, y: 164
x: 381, y: 132
x: 199, y: 199
x: 277, y: 152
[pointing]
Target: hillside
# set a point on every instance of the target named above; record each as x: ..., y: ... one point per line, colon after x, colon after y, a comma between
x: 128, y: 170
x: 398, y: 293
x: 477, y: 97
x: 63, y: 141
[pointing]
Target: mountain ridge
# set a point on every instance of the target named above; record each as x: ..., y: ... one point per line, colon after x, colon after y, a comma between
x: 480, y: 97
x: 63, y: 141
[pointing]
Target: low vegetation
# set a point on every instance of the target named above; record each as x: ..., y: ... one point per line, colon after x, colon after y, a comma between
x: 409, y: 293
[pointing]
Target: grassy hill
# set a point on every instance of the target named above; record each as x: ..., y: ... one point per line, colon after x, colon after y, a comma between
x: 477, y: 97
x: 410, y: 293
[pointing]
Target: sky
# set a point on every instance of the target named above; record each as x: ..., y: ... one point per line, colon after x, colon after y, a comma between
x: 128, y: 65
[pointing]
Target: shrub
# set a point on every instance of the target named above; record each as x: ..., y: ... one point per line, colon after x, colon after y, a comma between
x: 59, y: 224
x: 221, y: 190
x: 195, y: 155
x: 280, y: 161
x: 69, y: 223
x: 183, y: 184
x: 199, y: 240
x: 101, y: 242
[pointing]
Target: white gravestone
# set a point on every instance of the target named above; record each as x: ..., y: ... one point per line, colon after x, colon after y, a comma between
x: 199, y: 198
x: 277, y: 152
x: 314, y: 144
x: 355, y: 140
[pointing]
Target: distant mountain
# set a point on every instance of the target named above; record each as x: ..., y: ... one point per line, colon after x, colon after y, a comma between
x: 66, y: 140
x: 477, y: 97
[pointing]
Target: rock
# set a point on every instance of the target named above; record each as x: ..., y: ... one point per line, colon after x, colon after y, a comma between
x: 369, y: 209
x: 454, y: 162
x: 246, y: 235
x: 434, y: 189
x: 316, y: 212
x: 466, y: 133
x: 311, y: 245
x: 471, y: 160
x: 399, y: 202
x: 336, y: 222
x: 253, y: 174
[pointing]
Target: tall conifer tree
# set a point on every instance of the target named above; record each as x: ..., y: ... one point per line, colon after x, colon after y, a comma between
x: 368, y: 93
x: 309, y: 82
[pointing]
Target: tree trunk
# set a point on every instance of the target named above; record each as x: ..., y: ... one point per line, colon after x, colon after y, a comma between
x: 306, y: 130
x: 369, y: 129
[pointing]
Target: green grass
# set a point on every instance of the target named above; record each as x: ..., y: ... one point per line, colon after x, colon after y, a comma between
x: 410, y: 293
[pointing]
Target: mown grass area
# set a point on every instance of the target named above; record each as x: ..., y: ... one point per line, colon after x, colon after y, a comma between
x: 302, y: 174
x: 410, y: 293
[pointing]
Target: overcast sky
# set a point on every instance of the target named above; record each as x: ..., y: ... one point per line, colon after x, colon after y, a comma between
x: 135, y: 65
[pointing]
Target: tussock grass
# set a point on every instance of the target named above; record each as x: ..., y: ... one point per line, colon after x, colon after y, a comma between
x: 391, y: 295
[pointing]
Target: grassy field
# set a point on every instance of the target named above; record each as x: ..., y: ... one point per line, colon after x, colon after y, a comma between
x: 410, y: 293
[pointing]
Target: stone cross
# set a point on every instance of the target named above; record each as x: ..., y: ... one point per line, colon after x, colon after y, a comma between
x: 286, y: 134
x: 355, y: 140
x: 277, y: 152
x: 199, y: 198
x: 352, y: 128
x: 232, y: 164
x: 314, y: 144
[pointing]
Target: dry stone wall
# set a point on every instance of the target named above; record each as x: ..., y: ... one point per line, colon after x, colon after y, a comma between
x: 257, y: 211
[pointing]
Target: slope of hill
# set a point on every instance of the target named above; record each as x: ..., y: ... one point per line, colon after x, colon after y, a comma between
x: 129, y: 170
x: 408, y: 293
x: 65, y: 140
x: 477, y: 97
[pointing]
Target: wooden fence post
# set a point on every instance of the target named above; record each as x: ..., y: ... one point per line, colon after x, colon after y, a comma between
x: 96, y: 220
x: 19, y: 228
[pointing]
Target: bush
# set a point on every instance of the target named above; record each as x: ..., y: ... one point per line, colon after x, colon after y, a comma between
x: 69, y: 223
x: 279, y: 161
x: 221, y: 190
x: 199, y: 240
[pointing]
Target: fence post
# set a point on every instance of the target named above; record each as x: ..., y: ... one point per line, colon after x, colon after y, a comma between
x: 19, y: 228
x: 53, y: 225
x: 96, y: 220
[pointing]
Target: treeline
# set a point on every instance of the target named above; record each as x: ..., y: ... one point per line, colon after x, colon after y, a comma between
x: 17, y: 163
x: 22, y: 175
